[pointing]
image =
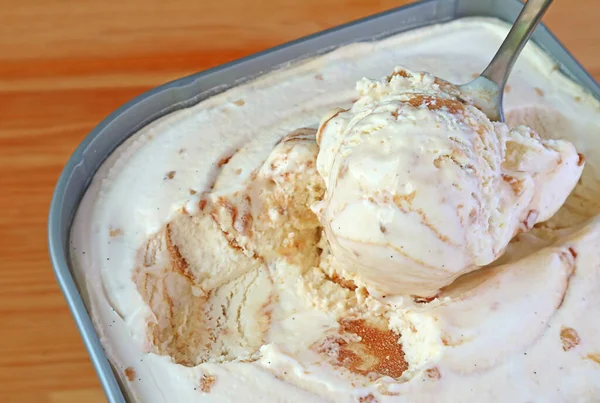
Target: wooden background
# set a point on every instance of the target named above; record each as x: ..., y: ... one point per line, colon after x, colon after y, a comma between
x: 64, y: 65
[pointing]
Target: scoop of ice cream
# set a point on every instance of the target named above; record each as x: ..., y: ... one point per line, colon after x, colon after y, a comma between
x: 422, y: 187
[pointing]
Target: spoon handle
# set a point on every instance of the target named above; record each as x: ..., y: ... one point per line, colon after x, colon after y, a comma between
x: 499, y: 68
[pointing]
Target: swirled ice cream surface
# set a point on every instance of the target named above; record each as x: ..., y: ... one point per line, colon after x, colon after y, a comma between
x: 202, y: 256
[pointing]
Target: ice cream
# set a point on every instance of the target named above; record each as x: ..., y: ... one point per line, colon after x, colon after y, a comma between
x: 422, y: 187
x: 205, y: 276
x: 210, y: 279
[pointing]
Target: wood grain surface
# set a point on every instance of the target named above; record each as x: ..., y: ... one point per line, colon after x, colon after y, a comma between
x: 64, y: 65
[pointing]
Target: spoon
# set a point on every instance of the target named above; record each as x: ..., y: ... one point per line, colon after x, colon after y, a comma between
x: 486, y: 90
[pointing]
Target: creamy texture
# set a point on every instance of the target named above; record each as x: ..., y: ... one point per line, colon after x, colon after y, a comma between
x: 422, y: 187
x: 182, y: 250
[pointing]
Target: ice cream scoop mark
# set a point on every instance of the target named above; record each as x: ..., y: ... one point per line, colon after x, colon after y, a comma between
x: 569, y: 338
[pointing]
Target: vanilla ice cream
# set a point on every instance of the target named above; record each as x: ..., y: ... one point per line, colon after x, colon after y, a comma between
x: 210, y: 278
x: 422, y: 187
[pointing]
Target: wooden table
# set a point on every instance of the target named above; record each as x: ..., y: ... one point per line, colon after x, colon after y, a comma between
x: 64, y: 65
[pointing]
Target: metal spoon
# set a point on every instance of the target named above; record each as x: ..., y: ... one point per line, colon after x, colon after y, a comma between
x: 486, y: 90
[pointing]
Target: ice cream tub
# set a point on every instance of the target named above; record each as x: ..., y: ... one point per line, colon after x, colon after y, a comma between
x: 185, y: 92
